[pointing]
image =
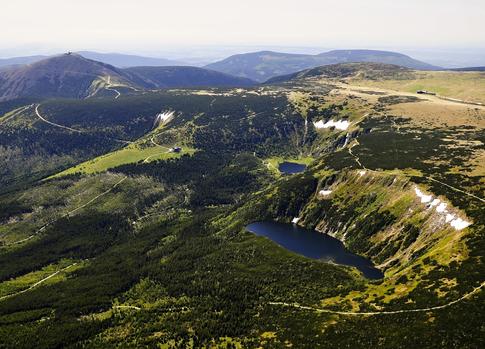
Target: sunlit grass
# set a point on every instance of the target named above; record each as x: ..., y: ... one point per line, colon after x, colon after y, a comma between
x: 130, y: 154
x: 26, y: 281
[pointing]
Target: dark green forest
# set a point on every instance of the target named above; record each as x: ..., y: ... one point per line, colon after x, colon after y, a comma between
x: 155, y: 254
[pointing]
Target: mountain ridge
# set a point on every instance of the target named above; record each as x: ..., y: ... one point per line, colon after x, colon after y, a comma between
x: 74, y: 76
x: 68, y: 75
x: 263, y: 65
x: 119, y: 60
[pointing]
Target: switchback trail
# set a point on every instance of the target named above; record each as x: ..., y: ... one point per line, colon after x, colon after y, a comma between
x: 356, y: 158
x: 110, y: 87
x: 391, y: 312
x: 38, y: 282
x: 68, y: 214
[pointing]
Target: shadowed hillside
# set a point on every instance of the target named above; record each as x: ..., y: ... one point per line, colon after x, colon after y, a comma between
x: 73, y: 76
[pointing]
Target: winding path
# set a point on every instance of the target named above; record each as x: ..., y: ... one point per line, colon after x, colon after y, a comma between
x: 110, y: 87
x: 38, y: 282
x: 391, y: 312
x: 72, y: 129
x: 356, y: 158
x: 68, y: 214
x: 152, y: 140
x: 53, y: 123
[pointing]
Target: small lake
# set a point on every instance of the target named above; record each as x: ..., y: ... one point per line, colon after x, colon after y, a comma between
x: 313, y: 244
x: 291, y: 167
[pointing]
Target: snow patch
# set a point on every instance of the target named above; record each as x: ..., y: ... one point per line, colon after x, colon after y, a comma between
x: 424, y: 198
x: 339, y: 124
x: 441, y: 208
x: 459, y: 224
x: 450, y: 218
x: 163, y: 117
x: 324, y: 192
x: 435, y: 202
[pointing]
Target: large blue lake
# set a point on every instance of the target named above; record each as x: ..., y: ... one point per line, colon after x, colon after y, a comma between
x: 313, y: 244
x: 291, y: 167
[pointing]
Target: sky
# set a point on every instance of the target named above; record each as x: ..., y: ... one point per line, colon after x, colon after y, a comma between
x: 151, y: 26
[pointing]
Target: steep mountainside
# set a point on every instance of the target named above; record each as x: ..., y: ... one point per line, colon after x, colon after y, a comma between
x: 73, y: 76
x: 261, y: 66
x: 68, y: 75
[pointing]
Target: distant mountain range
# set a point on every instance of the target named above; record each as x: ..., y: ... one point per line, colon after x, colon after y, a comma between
x: 116, y: 59
x: 469, y: 69
x: 74, y: 76
x: 261, y: 66
x: 6, y: 62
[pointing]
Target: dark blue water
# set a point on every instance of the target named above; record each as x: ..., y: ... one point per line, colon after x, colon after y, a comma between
x: 313, y: 244
x: 291, y: 167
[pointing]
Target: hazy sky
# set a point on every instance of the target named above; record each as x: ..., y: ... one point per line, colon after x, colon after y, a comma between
x: 151, y: 25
